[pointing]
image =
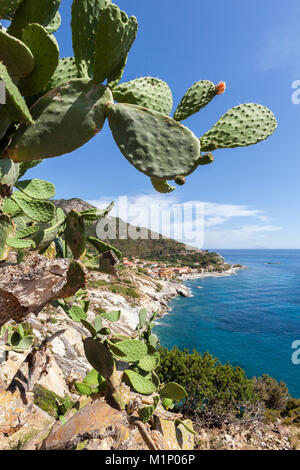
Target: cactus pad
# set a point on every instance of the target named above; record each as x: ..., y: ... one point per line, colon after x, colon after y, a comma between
x: 75, y: 233
x: 146, y: 413
x: 39, y: 211
x: 85, y: 17
x: 148, y: 363
x: 25, y: 166
x: 33, y: 11
x: 102, y: 247
x: 196, y: 98
x: 27, y: 231
x: 19, y: 244
x: 7, y: 228
x: 66, y: 118
x: 45, y: 51
x: 9, y: 173
x: 11, y: 208
x: 99, y: 357
x: 8, y: 8
x: 115, y: 35
x: 15, y: 55
x: 15, y: 104
x: 139, y: 383
x: 243, y: 125
x: 174, y: 391
x: 162, y: 186
x: 54, y: 24
x: 65, y: 71
x: 153, y: 143
x: 36, y: 189
x: 130, y: 350
x: 114, y: 78
x: 147, y: 92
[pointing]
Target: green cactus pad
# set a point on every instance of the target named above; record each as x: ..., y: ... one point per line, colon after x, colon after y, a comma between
x: 174, y: 391
x: 8, y: 8
x: 114, y: 78
x: 15, y: 55
x: 45, y: 236
x: 75, y: 233
x: 112, y: 316
x: 65, y: 71
x: 15, y: 104
x: 142, y: 318
x: 130, y: 350
x: 45, y: 51
x: 148, y: 363
x: 85, y: 17
x: 9, y: 173
x: 167, y: 403
x: 153, y: 143
x: 11, y: 208
x: 139, y: 383
x: 115, y: 35
x: 102, y: 247
x: 65, y: 119
x: 147, y: 92
x: 146, y: 413
x: 99, y: 357
x: 36, y: 189
x: 243, y: 125
x: 39, y: 211
x: 162, y: 186
x: 196, y: 98
x: 20, y: 244
x: 5, y: 122
x: 7, y: 228
x: 42, y: 12
x: 27, y: 231
x: 54, y: 24
x: 94, y: 214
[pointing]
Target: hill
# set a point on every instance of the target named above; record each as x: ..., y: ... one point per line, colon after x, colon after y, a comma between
x: 152, y: 245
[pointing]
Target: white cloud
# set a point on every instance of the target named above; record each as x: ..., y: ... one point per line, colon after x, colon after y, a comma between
x: 194, y: 222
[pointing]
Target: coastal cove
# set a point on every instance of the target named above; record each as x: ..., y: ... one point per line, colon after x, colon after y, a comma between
x: 250, y: 319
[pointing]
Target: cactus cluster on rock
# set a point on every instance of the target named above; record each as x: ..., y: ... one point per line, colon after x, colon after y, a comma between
x: 55, y: 105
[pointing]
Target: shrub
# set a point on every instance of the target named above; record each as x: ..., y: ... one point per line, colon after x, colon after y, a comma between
x: 217, y: 393
x: 275, y: 395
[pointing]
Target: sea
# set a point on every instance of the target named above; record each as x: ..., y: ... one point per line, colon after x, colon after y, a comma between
x: 250, y: 319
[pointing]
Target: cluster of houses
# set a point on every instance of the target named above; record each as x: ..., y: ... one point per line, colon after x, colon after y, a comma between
x: 161, y: 271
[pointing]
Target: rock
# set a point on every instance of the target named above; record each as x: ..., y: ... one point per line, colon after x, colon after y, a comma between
x: 186, y: 439
x: 97, y: 420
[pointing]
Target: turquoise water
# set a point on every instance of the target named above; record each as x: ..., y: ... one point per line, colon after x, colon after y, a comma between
x: 250, y: 319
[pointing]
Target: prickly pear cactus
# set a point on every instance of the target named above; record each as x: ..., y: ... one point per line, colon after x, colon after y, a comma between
x: 87, y: 13
x: 244, y: 125
x: 36, y: 189
x: 139, y: 383
x: 7, y: 229
x: 9, y: 173
x: 147, y: 92
x: 75, y: 233
x: 33, y: 11
x: 131, y: 350
x: 45, y: 51
x: 196, y: 98
x: 60, y: 127
x: 115, y: 35
x: 162, y: 186
x: 16, y: 106
x: 15, y: 55
x: 8, y: 8
x: 146, y: 413
x: 65, y: 71
x: 174, y: 391
x: 152, y: 142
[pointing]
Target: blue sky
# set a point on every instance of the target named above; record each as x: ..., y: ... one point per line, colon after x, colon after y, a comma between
x: 251, y: 194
